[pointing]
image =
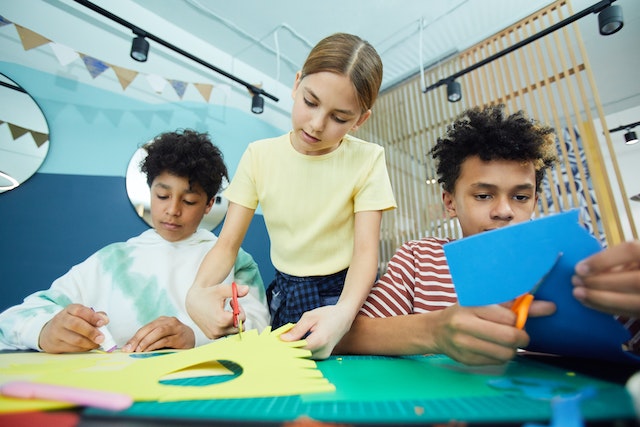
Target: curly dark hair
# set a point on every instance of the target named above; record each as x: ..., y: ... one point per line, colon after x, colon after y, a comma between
x: 490, y: 134
x: 185, y: 153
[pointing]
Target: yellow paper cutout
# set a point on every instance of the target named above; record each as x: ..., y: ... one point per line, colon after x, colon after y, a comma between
x: 207, y: 369
x: 270, y: 367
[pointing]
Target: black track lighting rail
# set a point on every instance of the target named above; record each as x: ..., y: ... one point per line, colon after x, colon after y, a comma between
x: 592, y: 9
x: 139, y: 31
x: 625, y: 127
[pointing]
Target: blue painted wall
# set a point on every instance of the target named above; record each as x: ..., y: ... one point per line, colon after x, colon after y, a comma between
x: 77, y: 201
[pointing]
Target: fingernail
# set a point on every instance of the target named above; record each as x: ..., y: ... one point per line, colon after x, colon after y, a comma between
x: 127, y: 348
x: 579, y: 293
x: 576, y: 281
x: 582, y: 268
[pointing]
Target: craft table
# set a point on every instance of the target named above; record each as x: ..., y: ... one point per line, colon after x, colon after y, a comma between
x: 398, y: 391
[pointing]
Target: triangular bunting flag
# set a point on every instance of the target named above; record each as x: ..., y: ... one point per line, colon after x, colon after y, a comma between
x: 17, y: 131
x: 204, y: 89
x: 145, y: 117
x: 113, y: 115
x: 40, y: 138
x: 94, y: 66
x: 4, y: 21
x: 179, y: 86
x: 30, y: 39
x: 164, y: 115
x: 124, y: 75
x: 156, y: 82
x: 65, y: 54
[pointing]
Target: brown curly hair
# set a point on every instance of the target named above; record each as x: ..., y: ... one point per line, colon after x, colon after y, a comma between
x: 490, y: 134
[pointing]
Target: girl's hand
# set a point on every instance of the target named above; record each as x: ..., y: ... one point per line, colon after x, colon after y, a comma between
x: 609, y: 281
x: 206, y: 307
x: 325, y: 326
x: 74, y: 329
x: 164, y: 332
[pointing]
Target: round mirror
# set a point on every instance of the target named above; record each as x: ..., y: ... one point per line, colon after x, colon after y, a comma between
x: 24, y: 135
x: 140, y: 195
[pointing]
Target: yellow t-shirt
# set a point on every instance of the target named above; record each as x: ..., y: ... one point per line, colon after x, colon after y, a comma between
x: 309, y: 202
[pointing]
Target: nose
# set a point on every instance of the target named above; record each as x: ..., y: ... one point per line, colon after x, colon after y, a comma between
x: 502, y: 209
x: 317, y: 121
x: 173, y: 207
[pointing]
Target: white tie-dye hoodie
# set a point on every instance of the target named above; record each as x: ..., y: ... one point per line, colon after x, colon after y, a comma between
x: 134, y: 282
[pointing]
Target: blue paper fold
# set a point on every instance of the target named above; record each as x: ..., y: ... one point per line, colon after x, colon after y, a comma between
x: 499, y: 265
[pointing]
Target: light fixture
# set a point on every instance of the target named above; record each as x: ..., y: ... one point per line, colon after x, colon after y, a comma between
x: 140, y: 48
x: 630, y: 137
x: 610, y: 16
x: 454, y: 91
x: 610, y: 20
x: 257, y: 104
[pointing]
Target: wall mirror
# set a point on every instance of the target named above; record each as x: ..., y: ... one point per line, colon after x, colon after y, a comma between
x: 140, y: 195
x: 24, y: 135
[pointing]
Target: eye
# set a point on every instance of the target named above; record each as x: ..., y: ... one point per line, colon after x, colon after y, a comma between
x: 482, y: 196
x: 190, y: 203
x: 522, y: 197
x: 309, y: 103
x: 162, y: 197
x: 339, y: 120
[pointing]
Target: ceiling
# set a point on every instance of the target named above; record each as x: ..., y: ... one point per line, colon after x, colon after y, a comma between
x: 275, y: 37
x: 259, y: 34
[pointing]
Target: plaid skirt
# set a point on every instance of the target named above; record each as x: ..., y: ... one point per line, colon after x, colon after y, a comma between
x: 289, y: 297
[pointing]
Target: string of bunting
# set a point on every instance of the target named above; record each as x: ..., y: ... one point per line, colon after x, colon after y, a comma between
x: 17, y: 131
x: 96, y: 67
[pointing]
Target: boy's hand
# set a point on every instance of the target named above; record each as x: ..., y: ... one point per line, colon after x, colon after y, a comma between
x: 74, y: 329
x: 164, y: 332
x: 483, y: 335
x: 206, y: 307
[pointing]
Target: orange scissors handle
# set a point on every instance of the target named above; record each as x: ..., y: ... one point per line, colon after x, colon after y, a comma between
x: 521, y: 308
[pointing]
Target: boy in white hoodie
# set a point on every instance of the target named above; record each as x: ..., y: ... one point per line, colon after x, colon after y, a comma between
x: 137, y: 289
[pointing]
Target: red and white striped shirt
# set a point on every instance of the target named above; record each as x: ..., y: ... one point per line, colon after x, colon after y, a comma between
x: 417, y: 281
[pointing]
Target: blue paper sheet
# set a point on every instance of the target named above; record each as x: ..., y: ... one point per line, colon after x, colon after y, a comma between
x: 499, y: 265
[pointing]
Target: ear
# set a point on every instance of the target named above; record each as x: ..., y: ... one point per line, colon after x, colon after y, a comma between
x: 449, y: 204
x: 296, y: 83
x: 209, y: 205
x: 363, y: 118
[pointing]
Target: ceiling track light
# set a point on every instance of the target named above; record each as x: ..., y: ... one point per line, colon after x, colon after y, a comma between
x: 141, y: 40
x: 612, y: 19
x: 140, y: 48
x: 630, y: 137
x: 454, y: 91
x: 257, y: 104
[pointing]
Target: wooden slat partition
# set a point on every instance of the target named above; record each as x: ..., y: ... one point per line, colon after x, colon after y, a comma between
x: 550, y: 79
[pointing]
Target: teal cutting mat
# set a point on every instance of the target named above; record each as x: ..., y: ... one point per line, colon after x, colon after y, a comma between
x: 410, y: 389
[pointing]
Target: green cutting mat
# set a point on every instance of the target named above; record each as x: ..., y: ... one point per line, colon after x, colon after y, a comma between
x: 410, y: 389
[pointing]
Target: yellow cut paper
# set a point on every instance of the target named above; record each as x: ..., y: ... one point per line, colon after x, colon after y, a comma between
x: 270, y: 367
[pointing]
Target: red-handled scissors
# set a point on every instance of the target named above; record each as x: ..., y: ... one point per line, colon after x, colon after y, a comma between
x: 237, y: 321
x: 522, y: 304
